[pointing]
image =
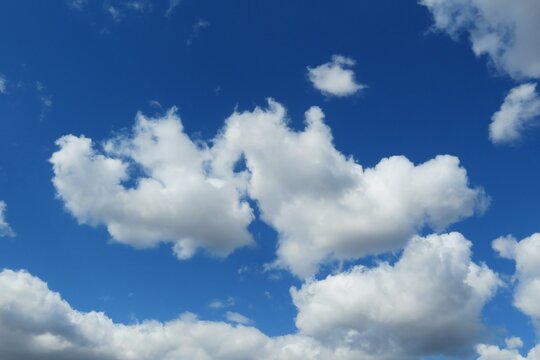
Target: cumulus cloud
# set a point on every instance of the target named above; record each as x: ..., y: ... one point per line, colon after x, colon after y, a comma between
x: 324, y: 205
x: 520, y: 109
x: 335, y: 77
x: 526, y: 254
x: 152, y: 186
x: 36, y: 323
x: 505, y: 31
x: 511, y: 352
x: 428, y: 302
x: 5, y: 229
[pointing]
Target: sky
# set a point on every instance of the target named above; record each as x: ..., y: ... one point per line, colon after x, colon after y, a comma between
x: 194, y: 179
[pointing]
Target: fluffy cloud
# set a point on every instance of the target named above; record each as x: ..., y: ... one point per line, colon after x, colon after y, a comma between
x: 36, y: 323
x: 526, y: 254
x: 152, y: 186
x: 5, y: 229
x: 324, y: 205
x: 335, y: 77
x: 511, y: 352
x: 361, y: 314
x: 505, y: 31
x: 428, y: 302
x: 520, y: 108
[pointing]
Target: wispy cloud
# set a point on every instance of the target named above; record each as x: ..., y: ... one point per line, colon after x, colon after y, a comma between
x: 196, y: 30
x: 173, y: 4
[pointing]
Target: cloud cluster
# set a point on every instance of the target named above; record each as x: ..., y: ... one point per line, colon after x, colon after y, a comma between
x: 428, y: 302
x: 520, y: 109
x: 36, y: 323
x: 505, y: 31
x: 373, y: 321
x: 511, y: 352
x: 152, y: 186
x: 335, y: 78
x: 324, y: 205
x: 5, y: 229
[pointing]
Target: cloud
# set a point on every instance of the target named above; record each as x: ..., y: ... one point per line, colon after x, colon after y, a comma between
x: 77, y: 4
x: 511, y: 352
x: 196, y: 30
x: 505, y: 31
x: 526, y: 254
x: 334, y: 78
x: 324, y: 205
x: 3, y: 84
x: 397, y: 310
x: 5, y: 229
x: 520, y: 109
x: 152, y: 186
x: 173, y: 4
x: 36, y: 323
x: 237, y: 318
x: 219, y: 304
x: 434, y: 273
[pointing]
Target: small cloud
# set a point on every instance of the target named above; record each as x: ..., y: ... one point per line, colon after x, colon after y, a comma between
x: 520, y: 109
x: 268, y: 294
x: 77, y: 4
x: 5, y: 229
x: 3, y: 84
x: 173, y: 4
x: 335, y: 78
x: 219, y: 304
x: 196, y: 30
x: 139, y: 5
x: 237, y: 318
x: 114, y: 12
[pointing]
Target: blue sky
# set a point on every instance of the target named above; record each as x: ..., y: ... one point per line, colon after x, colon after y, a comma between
x: 417, y: 80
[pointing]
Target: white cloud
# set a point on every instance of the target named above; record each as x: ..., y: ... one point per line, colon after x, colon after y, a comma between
x: 324, y: 205
x: 3, y: 84
x: 505, y: 31
x: 150, y: 187
x: 196, y: 30
x: 428, y: 302
x: 173, y: 4
x: 335, y: 77
x: 526, y: 254
x: 5, y: 229
x: 77, y: 4
x: 237, y: 318
x: 493, y: 352
x: 36, y: 323
x: 520, y: 109
x: 219, y: 304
